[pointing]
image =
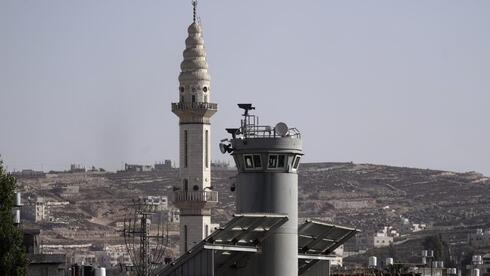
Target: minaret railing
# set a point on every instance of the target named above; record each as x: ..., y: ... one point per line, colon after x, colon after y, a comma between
x: 191, y: 106
x: 200, y: 196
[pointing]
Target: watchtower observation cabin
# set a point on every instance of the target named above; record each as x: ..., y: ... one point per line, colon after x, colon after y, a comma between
x: 267, y: 159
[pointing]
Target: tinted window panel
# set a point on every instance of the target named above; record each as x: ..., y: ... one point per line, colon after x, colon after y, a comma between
x: 296, y: 162
x: 281, y: 161
x: 257, y: 162
x: 249, y: 162
x: 272, y: 161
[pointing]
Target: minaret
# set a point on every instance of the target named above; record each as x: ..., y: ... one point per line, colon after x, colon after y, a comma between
x: 195, y: 197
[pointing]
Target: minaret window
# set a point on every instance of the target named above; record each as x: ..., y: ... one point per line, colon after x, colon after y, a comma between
x: 185, y: 148
x: 193, y: 98
x: 185, y: 238
x: 206, y: 148
x: 186, y: 185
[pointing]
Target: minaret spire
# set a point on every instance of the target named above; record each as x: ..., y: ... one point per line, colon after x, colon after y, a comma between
x: 194, y: 7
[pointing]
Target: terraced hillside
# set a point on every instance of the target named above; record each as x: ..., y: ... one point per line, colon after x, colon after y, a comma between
x: 362, y: 195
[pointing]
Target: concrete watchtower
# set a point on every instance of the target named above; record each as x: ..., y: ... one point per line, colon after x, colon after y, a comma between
x: 194, y: 198
x: 267, y: 159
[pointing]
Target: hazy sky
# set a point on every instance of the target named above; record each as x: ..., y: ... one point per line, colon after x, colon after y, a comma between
x: 403, y: 83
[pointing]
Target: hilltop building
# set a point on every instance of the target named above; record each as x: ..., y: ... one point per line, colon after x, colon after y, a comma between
x: 163, y: 166
x: 194, y: 197
x: 137, y: 168
x: 480, y: 238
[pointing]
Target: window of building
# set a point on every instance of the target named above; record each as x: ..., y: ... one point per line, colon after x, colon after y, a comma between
x: 249, y: 163
x: 206, y: 231
x: 205, y: 89
x: 193, y: 98
x: 205, y: 98
x: 252, y: 161
x: 185, y: 148
x: 206, y: 148
x: 182, y: 98
x: 257, y: 161
x: 186, y: 185
x: 185, y: 238
x: 281, y: 161
x: 296, y: 162
x: 272, y: 161
x: 181, y: 89
x: 276, y: 161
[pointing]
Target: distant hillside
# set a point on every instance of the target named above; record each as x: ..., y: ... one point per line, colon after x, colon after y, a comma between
x: 362, y: 195
x: 355, y: 194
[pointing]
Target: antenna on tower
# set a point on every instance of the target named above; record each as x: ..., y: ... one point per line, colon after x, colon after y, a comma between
x: 194, y: 7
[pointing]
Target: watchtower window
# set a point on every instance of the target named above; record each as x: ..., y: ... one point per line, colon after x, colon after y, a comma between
x: 257, y: 161
x: 249, y: 162
x: 276, y: 161
x: 296, y: 162
x: 252, y: 161
x: 272, y: 161
x: 281, y: 161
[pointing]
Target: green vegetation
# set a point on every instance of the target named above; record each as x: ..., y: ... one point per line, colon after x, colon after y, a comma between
x: 439, y: 246
x: 13, y: 260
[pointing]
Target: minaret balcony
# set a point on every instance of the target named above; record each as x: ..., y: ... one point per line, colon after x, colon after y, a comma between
x: 197, y: 111
x: 182, y: 106
x: 195, y: 196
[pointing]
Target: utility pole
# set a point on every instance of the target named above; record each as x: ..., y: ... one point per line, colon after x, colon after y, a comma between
x: 145, y: 250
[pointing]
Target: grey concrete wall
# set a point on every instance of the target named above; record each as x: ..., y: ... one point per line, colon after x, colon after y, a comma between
x: 262, y: 192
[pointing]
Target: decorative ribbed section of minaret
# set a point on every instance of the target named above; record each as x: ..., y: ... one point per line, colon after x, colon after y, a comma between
x: 194, y: 66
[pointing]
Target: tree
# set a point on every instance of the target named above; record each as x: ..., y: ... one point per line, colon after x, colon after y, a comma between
x: 440, y: 247
x: 13, y: 260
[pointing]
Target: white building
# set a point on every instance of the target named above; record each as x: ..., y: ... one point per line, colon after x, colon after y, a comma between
x: 480, y: 238
x: 382, y: 238
x: 194, y: 197
x: 160, y: 203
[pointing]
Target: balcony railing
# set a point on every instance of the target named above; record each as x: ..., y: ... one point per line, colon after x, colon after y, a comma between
x: 201, y: 196
x: 194, y: 106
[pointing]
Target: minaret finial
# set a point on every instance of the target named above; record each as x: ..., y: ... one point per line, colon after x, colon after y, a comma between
x: 194, y: 6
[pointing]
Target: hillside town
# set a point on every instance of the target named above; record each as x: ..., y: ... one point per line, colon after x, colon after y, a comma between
x: 80, y: 213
